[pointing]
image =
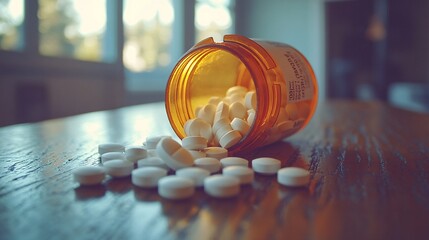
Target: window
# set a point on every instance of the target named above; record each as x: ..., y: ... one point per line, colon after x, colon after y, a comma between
x: 11, y: 22
x: 72, y: 28
x: 213, y: 18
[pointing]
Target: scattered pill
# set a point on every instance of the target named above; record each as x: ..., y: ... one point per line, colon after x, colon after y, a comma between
x: 236, y: 89
x: 197, y: 175
x: 237, y: 110
x: 147, y: 177
x: 111, y: 156
x: 89, y: 175
x: 197, y: 154
x: 152, y: 141
x: 293, y: 176
x: 244, y: 174
x: 134, y: 153
x: 110, y: 147
x: 209, y: 163
x: 199, y: 127
x: 230, y: 138
x: 234, y: 161
x: 250, y: 100
x: 152, y: 162
x: 173, y: 154
x: 175, y: 187
x: 266, y: 165
x: 216, y: 152
x: 194, y: 142
x: 207, y: 113
x: 221, y: 186
x: 240, y: 125
x: 118, y: 168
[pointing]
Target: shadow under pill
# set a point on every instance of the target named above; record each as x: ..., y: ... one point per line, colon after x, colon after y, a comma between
x: 146, y: 194
x: 89, y: 192
x: 119, y: 185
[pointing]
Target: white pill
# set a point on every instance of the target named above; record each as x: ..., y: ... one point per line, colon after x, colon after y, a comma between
x: 197, y: 154
x: 152, y: 153
x: 244, y: 174
x: 216, y: 152
x: 209, y: 163
x: 134, y: 153
x: 237, y: 97
x: 230, y: 138
x: 221, y: 186
x: 207, y: 113
x: 236, y: 89
x: 199, y: 127
x: 250, y: 100
x: 240, y: 125
x: 111, y: 156
x: 110, y: 147
x: 234, y: 161
x: 194, y: 142
x: 266, y: 165
x: 237, y: 110
x: 173, y: 154
x: 147, y: 177
x: 175, y: 187
x: 118, y: 168
x: 251, y: 118
x: 152, y: 162
x: 293, y: 177
x: 89, y: 175
x: 214, y: 100
x: 197, y: 175
x: 222, y: 111
x: 152, y: 141
x: 222, y: 123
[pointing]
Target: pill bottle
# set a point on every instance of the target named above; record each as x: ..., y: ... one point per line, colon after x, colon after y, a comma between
x: 282, y: 78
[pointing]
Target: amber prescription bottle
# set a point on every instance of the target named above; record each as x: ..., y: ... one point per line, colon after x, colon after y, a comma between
x: 284, y: 82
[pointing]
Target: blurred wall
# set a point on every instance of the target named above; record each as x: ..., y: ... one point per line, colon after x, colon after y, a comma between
x: 299, y: 23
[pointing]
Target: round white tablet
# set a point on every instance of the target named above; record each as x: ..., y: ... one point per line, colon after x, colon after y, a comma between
x: 152, y: 162
x: 197, y: 154
x: 266, y: 165
x: 152, y: 141
x: 240, y: 125
x: 118, y: 168
x: 221, y: 186
x: 147, y: 177
x: 293, y: 176
x: 110, y: 147
x: 173, y: 154
x: 195, y: 174
x: 175, y: 187
x: 135, y: 153
x: 111, y: 156
x: 89, y: 175
x: 244, y: 174
x: 230, y: 138
x: 234, y: 161
x: 194, y: 142
x: 216, y: 152
x: 209, y: 163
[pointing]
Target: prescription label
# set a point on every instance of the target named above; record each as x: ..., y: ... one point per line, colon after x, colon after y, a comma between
x: 294, y: 68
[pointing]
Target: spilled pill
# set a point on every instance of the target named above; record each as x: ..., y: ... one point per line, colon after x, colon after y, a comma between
x: 221, y: 186
x: 118, y: 168
x: 244, y: 174
x: 293, y: 177
x: 147, y: 177
x: 89, y: 175
x: 197, y: 175
x: 266, y: 165
x: 175, y: 187
x: 110, y: 147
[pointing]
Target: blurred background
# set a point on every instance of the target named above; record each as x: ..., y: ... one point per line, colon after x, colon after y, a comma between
x: 65, y: 57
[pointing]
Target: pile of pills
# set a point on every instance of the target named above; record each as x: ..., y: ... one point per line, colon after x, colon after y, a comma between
x: 194, y: 165
x: 223, y: 122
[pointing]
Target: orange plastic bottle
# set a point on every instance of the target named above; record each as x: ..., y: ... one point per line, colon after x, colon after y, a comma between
x: 284, y: 82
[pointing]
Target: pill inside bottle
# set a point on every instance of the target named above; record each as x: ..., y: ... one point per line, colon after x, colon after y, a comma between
x: 267, y: 90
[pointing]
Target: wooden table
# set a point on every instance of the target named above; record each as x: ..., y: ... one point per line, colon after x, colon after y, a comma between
x: 369, y: 165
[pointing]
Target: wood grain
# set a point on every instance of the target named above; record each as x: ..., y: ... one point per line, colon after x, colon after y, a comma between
x: 369, y: 165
